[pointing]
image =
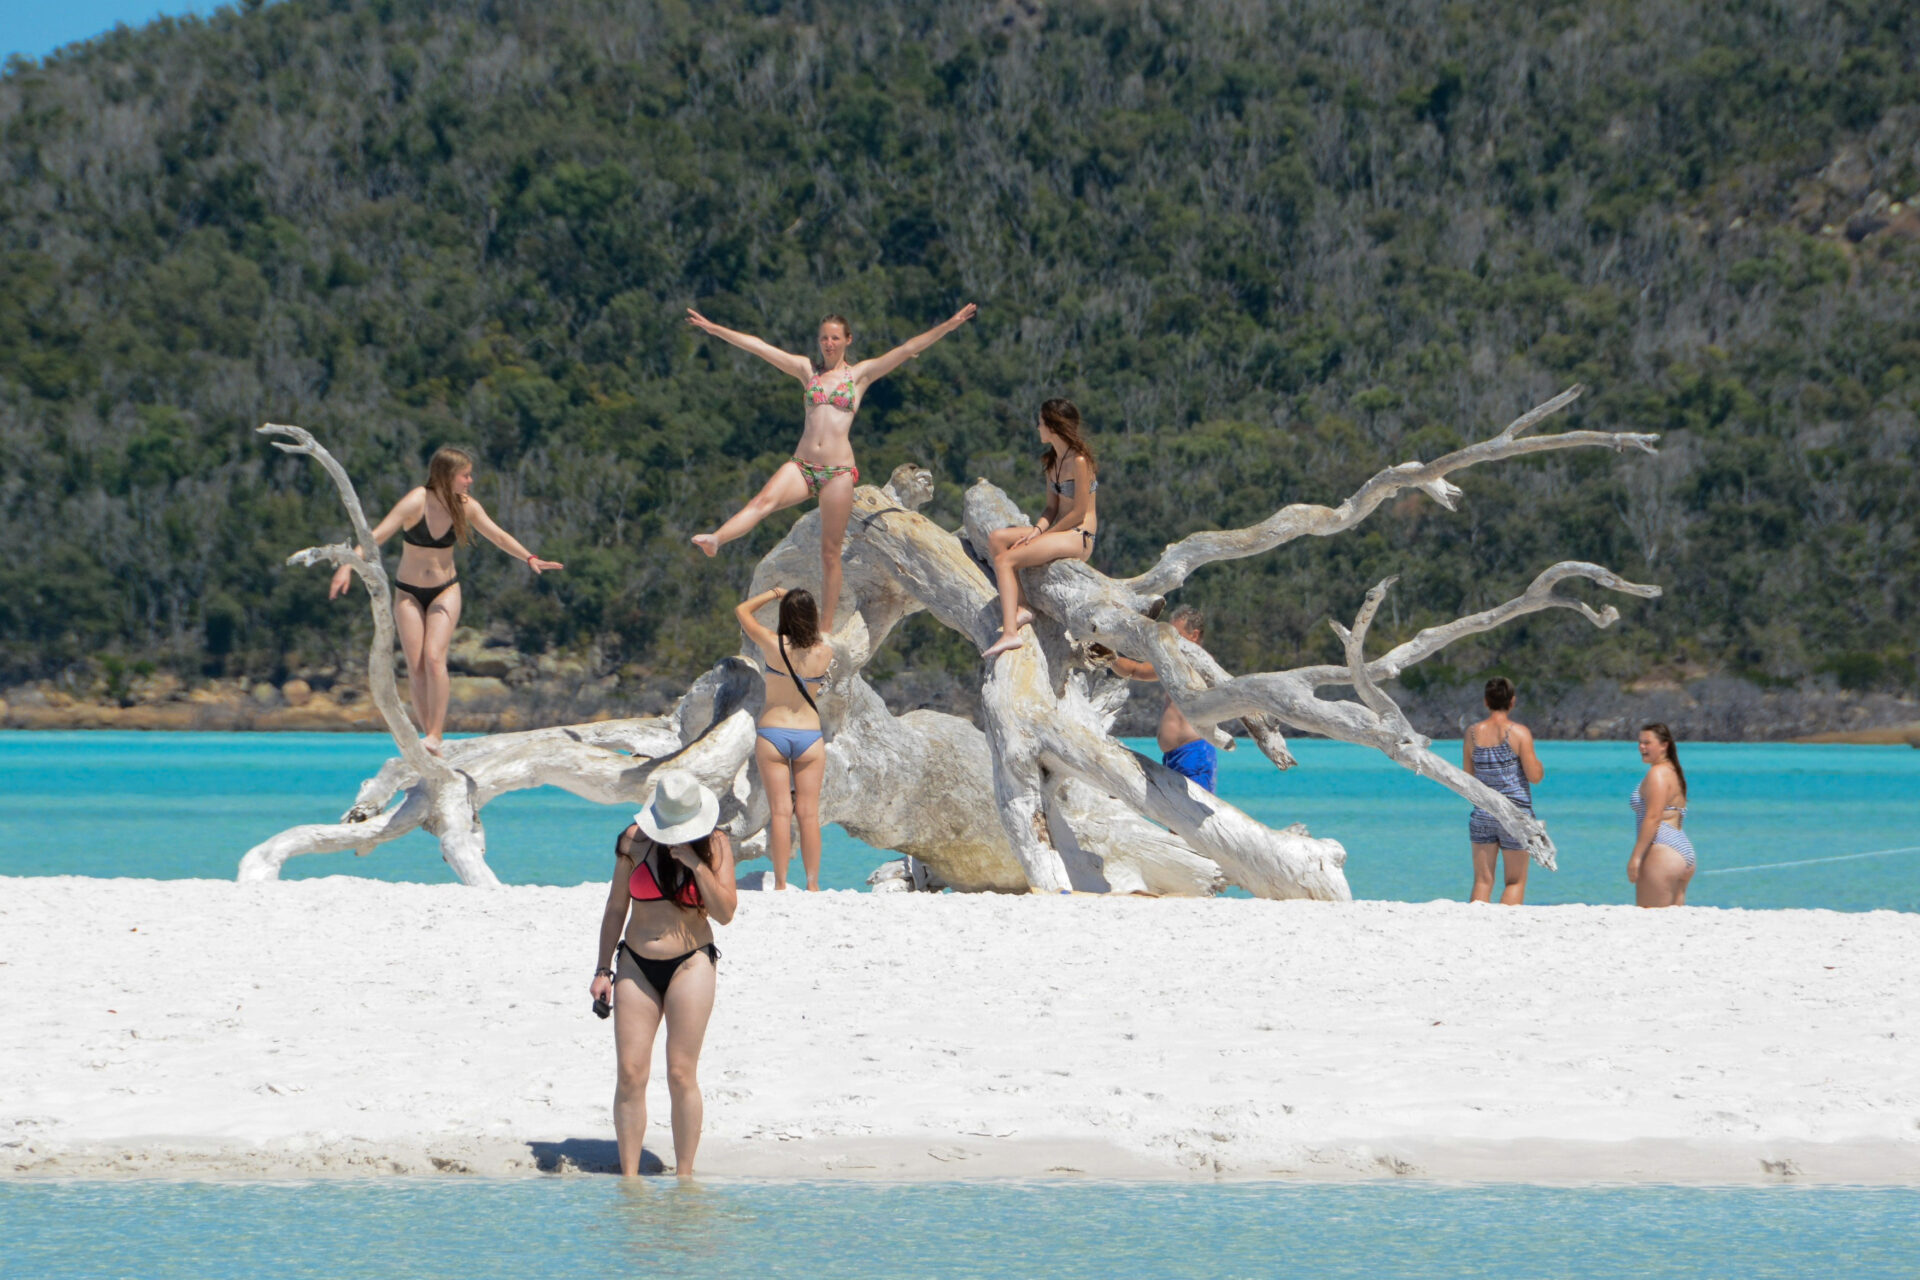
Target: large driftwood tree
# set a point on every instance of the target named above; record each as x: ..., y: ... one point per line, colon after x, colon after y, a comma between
x: 1046, y: 798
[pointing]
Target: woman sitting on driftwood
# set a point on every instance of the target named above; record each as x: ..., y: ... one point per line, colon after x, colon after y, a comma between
x: 1066, y: 529
x: 428, y: 607
x: 791, y: 749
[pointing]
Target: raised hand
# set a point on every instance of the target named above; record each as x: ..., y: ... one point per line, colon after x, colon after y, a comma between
x: 963, y: 315
x: 700, y: 322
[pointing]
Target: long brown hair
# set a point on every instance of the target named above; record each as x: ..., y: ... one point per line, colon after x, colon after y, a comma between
x: 1062, y: 417
x: 799, y: 619
x: 1665, y: 735
x: 448, y: 462
x: 634, y: 845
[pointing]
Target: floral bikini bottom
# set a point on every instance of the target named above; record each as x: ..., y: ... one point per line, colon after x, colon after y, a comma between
x: 816, y: 477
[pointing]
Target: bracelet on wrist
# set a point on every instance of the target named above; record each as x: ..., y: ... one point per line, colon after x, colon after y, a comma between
x: 603, y: 969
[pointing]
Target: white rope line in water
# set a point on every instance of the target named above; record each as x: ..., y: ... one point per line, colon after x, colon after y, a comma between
x: 1811, y: 862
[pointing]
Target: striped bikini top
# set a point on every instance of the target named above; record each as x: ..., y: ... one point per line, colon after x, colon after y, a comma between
x: 1065, y: 487
x: 841, y: 397
x: 1639, y: 805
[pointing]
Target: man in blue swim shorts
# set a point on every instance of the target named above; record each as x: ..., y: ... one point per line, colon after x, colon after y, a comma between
x: 1183, y: 748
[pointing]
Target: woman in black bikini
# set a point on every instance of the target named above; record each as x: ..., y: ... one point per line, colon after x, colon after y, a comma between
x: 427, y: 608
x: 823, y: 464
x: 1066, y: 528
x: 672, y: 881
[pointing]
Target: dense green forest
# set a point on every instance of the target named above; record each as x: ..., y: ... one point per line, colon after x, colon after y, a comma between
x: 1268, y: 248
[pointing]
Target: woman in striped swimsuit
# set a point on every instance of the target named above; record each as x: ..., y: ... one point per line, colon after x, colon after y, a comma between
x: 1499, y: 752
x: 1662, y: 863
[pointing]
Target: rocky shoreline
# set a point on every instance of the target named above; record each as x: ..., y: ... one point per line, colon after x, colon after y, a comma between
x: 497, y: 688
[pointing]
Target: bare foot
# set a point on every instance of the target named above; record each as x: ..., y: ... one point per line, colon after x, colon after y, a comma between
x: 707, y: 542
x: 432, y: 743
x: 1023, y: 616
x: 1005, y: 644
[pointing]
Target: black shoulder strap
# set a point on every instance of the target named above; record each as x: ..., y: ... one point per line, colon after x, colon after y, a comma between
x: 797, y: 681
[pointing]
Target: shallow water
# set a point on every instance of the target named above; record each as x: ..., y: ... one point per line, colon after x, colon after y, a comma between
x: 173, y: 805
x: 579, y: 1226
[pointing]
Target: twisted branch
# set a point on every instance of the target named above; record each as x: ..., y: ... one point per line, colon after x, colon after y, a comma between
x: 1300, y: 519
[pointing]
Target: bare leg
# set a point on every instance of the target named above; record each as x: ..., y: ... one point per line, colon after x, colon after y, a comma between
x: 836, y: 504
x: 1483, y: 860
x: 1663, y: 878
x: 774, y: 776
x: 1065, y: 544
x: 1516, y: 891
x: 999, y: 540
x: 784, y: 488
x: 442, y: 618
x: 808, y: 772
x: 411, y: 623
x: 689, y: 1005
x: 636, y: 1017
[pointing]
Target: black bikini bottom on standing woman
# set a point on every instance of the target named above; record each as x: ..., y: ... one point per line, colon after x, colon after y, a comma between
x: 425, y: 595
x: 658, y: 974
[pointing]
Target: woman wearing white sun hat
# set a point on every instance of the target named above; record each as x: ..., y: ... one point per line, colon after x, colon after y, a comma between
x: 672, y: 880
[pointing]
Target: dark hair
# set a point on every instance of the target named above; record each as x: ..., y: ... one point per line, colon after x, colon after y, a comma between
x: 668, y: 872
x: 1665, y: 735
x: 841, y: 321
x: 1063, y: 419
x: 1499, y: 694
x: 448, y: 462
x: 1194, y: 620
x: 799, y: 619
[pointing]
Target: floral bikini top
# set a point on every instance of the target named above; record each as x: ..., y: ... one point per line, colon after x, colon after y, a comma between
x: 841, y: 397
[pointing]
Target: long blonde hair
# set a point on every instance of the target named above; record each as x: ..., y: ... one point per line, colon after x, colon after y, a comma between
x: 448, y: 462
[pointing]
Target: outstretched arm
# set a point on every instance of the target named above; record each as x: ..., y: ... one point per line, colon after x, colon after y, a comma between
x: 785, y: 361
x: 505, y: 541
x: 870, y: 371
x: 757, y: 632
x: 404, y: 513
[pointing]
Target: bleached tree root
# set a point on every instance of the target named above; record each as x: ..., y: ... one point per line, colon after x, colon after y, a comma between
x: 1045, y: 798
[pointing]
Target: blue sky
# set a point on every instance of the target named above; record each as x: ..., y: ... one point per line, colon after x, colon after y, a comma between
x: 38, y: 27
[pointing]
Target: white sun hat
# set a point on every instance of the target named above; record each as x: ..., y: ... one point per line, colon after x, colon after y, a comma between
x: 681, y: 810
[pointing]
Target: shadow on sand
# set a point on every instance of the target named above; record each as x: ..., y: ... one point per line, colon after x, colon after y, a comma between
x: 587, y: 1155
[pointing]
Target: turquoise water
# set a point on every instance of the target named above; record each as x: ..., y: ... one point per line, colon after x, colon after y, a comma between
x: 580, y: 1226
x: 172, y: 805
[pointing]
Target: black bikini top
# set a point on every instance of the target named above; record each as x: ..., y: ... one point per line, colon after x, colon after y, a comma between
x: 418, y: 536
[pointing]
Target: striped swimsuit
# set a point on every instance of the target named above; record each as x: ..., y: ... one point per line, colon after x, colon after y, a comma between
x: 1499, y: 768
x: 1672, y: 837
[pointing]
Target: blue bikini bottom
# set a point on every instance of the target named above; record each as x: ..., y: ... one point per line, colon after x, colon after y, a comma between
x: 791, y: 743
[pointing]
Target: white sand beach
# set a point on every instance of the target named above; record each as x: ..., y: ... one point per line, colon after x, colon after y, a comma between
x: 345, y: 1026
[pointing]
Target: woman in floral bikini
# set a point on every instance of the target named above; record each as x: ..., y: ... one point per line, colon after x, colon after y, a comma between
x: 823, y: 465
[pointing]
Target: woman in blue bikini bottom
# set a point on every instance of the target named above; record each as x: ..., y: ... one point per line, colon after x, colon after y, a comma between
x: 791, y: 752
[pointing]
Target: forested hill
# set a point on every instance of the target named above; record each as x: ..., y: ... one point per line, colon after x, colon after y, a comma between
x: 1268, y: 248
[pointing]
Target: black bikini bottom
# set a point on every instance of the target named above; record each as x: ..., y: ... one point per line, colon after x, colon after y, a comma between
x: 425, y: 595
x: 658, y: 974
